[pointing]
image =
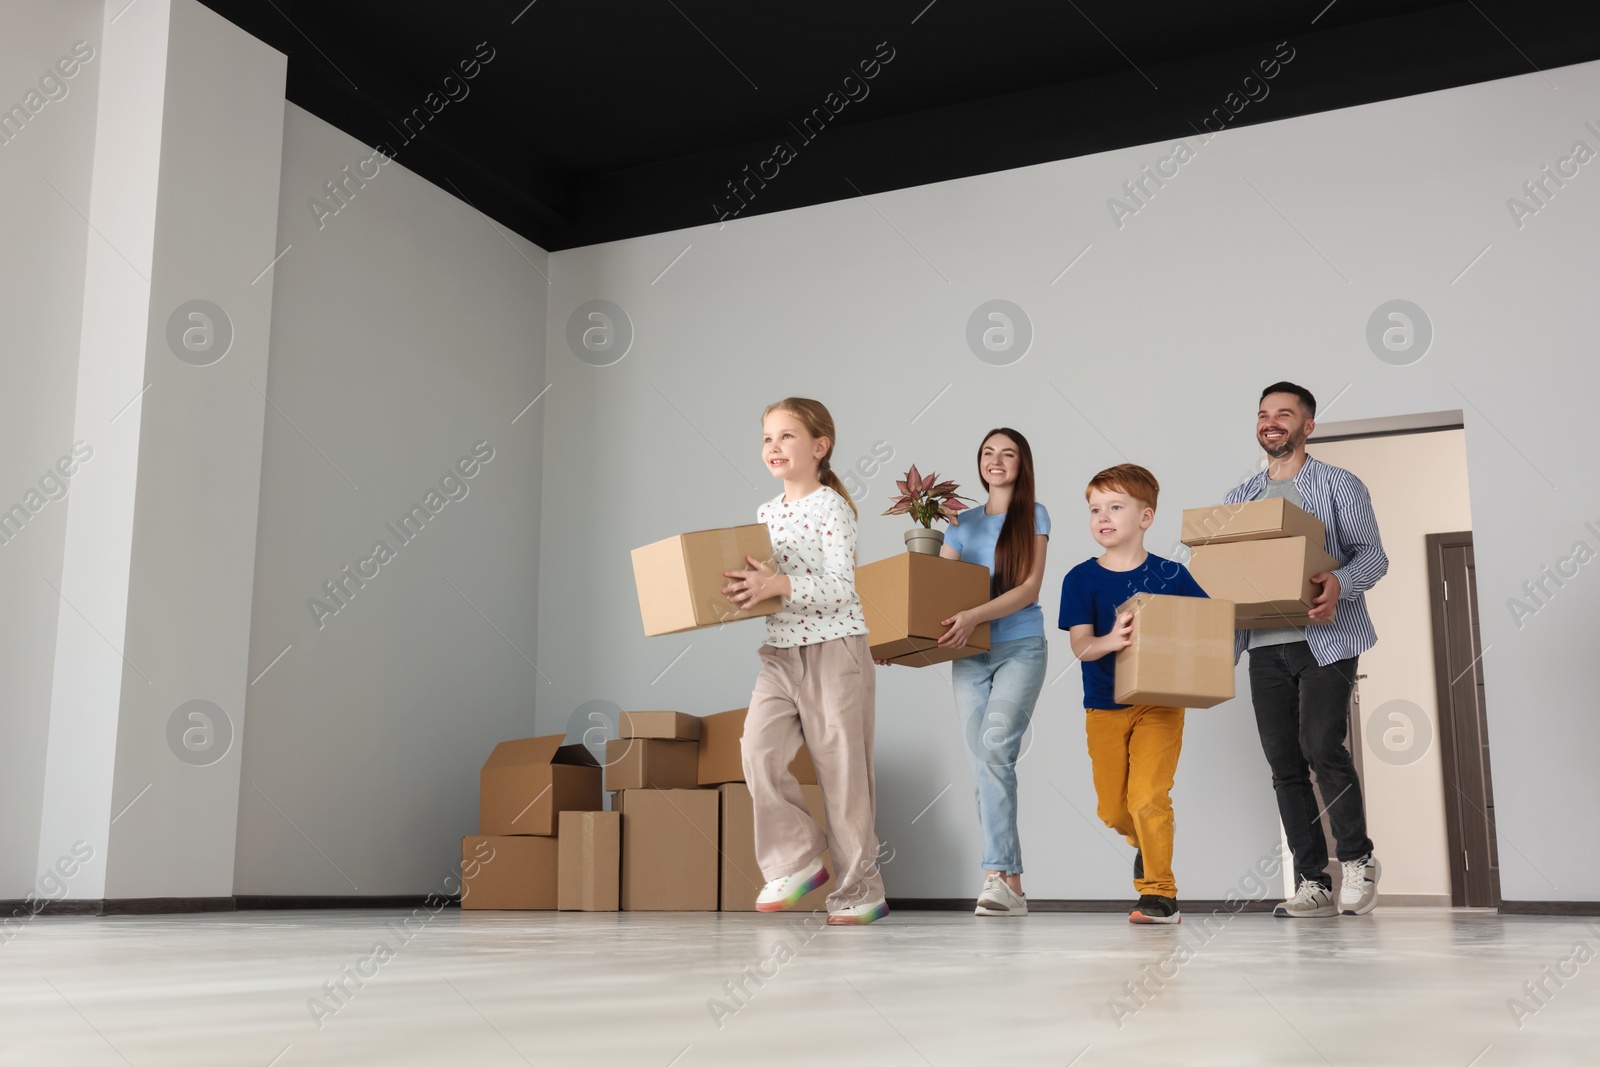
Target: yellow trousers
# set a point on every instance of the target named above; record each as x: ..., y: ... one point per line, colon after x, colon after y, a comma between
x: 1134, y: 753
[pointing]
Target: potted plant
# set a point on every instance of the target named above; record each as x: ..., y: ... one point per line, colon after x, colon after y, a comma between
x: 925, y: 499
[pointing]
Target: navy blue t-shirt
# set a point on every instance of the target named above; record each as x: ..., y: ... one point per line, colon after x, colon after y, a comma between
x: 1091, y: 594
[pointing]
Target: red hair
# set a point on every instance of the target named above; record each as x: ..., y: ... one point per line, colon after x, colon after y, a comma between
x: 1128, y: 478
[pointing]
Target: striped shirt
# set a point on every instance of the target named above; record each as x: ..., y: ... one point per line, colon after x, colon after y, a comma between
x: 1341, y: 502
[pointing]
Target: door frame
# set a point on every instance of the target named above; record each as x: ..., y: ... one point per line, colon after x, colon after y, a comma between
x: 1449, y: 743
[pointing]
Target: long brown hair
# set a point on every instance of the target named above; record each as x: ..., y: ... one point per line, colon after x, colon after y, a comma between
x: 1013, y: 551
x: 814, y: 416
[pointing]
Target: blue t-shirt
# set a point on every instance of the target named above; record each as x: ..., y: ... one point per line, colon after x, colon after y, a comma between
x: 1091, y: 594
x: 975, y: 537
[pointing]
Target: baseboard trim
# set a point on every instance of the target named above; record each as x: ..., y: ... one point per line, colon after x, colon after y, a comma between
x: 260, y: 902
x: 190, y: 905
x: 1414, y: 900
x: 1550, y: 907
x: 1098, y: 907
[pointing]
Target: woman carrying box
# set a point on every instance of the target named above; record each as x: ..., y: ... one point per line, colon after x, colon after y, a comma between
x: 996, y: 690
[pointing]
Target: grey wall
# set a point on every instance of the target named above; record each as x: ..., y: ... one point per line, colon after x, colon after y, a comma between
x: 1263, y: 257
x: 405, y: 329
x: 43, y: 243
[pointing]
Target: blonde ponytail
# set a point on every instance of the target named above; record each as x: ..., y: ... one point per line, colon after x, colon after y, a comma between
x: 826, y: 476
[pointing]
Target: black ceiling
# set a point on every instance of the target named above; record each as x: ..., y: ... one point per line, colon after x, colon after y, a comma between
x: 600, y: 119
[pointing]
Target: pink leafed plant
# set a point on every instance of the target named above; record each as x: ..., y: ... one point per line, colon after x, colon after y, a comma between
x: 926, y: 498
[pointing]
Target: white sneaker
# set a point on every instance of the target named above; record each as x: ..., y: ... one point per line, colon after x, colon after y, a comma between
x: 998, y: 898
x: 1312, y: 900
x: 859, y: 914
x: 780, y: 894
x: 1358, y: 892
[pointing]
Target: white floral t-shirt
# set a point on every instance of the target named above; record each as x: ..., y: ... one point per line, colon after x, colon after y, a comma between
x: 814, y: 540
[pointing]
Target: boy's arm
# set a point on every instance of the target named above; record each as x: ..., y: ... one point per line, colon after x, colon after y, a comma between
x: 1077, y: 614
x: 1088, y: 648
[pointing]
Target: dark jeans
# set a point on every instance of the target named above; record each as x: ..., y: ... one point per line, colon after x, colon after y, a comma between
x: 1303, y: 716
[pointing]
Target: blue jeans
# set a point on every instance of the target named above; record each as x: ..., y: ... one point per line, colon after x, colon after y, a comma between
x: 995, y: 693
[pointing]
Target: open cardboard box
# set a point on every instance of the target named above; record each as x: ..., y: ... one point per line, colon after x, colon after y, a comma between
x: 1269, y: 581
x: 1182, y: 652
x: 524, y: 784
x: 1250, y: 520
x: 907, y: 597
x: 680, y: 580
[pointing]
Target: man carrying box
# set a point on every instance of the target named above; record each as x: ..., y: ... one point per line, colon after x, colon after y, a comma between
x: 1300, y: 679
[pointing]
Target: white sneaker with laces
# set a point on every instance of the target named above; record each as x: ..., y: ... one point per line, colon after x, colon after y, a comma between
x: 783, y: 893
x: 1358, y: 892
x: 1312, y: 900
x: 859, y: 914
x: 997, y: 898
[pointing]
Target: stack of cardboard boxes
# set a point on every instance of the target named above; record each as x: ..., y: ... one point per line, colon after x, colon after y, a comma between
x: 669, y: 825
x: 680, y: 835
x: 1261, y: 555
x: 526, y: 792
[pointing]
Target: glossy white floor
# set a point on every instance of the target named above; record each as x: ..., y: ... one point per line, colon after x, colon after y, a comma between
x: 1403, y: 986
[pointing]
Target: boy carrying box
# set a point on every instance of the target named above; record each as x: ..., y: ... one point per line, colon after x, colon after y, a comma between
x: 1133, y: 748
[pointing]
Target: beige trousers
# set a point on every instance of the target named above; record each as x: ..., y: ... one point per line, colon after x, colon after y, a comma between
x: 821, y: 694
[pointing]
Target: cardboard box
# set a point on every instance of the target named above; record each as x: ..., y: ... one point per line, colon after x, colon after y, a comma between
x: 906, y: 597
x: 680, y: 579
x: 1252, y: 520
x: 1182, y: 652
x: 1268, y: 581
x: 741, y: 875
x: 651, y: 763
x: 525, y: 783
x: 669, y: 849
x: 508, y: 873
x: 589, y: 863
x: 673, y: 725
x: 721, y: 760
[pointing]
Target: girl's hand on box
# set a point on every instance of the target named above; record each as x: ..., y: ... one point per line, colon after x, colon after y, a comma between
x: 961, y: 625
x: 884, y: 662
x: 756, y: 583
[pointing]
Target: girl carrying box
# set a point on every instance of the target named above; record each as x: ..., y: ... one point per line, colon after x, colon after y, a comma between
x: 816, y: 683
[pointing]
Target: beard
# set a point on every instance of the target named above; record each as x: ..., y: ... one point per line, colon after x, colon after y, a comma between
x: 1286, y: 447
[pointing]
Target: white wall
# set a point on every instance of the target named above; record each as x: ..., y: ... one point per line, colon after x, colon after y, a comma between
x: 1419, y: 487
x: 1263, y: 258
x: 43, y: 245
x: 159, y: 549
x: 405, y: 329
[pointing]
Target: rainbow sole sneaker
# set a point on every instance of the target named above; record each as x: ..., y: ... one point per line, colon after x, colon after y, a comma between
x: 859, y: 914
x: 781, y: 894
